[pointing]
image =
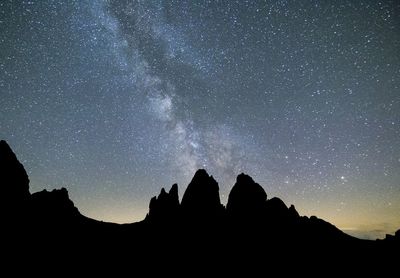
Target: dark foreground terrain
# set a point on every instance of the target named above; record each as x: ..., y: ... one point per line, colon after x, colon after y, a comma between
x: 253, y: 233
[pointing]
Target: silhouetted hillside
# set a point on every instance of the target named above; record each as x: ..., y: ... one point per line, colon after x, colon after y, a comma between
x: 198, y: 231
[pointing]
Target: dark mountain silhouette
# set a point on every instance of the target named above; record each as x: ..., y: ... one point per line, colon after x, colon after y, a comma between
x: 201, y: 201
x: 53, y: 207
x: 14, y: 182
x: 165, y: 207
x: 253, y: 231
x: 247, y: 200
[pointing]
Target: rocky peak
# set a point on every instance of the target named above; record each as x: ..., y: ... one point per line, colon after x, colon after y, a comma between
x: 165, y: 206
x: 201, y: 198
x: 293, y: 212
x: 246, y: 197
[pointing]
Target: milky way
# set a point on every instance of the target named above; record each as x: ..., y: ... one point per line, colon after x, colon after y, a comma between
x: 116, y: 99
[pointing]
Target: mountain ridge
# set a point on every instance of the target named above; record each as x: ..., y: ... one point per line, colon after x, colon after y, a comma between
x: 246, y: 198
x: 250, y: 222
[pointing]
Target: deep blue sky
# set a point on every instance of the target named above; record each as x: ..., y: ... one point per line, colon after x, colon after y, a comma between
x: 116, y: 99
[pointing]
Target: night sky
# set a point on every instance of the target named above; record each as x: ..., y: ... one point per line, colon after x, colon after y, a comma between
x: 115, y: 99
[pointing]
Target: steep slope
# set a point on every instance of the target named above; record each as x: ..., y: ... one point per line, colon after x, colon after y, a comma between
x: 14, y: 182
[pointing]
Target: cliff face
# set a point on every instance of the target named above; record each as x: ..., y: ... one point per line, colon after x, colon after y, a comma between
x: 13, y: 178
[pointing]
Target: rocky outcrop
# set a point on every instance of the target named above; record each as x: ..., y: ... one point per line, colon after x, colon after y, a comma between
x: 164, y: 208
x: 276, y: 210
x: 246, y: 200
x: 293, y: 214
x: 53, y: 206
x: 14, y: 184
x: 201, y: 199
x: 392, y: 238
x: 13, y: 177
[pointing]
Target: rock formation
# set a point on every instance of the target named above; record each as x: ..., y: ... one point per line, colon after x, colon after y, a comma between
x: 201, y: 201
x: 164, y: 208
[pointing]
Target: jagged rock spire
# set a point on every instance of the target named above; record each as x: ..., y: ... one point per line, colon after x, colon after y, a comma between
x: 201, y: 198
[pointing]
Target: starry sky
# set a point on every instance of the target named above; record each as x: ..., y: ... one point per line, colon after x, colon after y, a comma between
x: 115, y: 99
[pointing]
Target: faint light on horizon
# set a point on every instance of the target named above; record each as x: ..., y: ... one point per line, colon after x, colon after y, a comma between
x: 348, y: 228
